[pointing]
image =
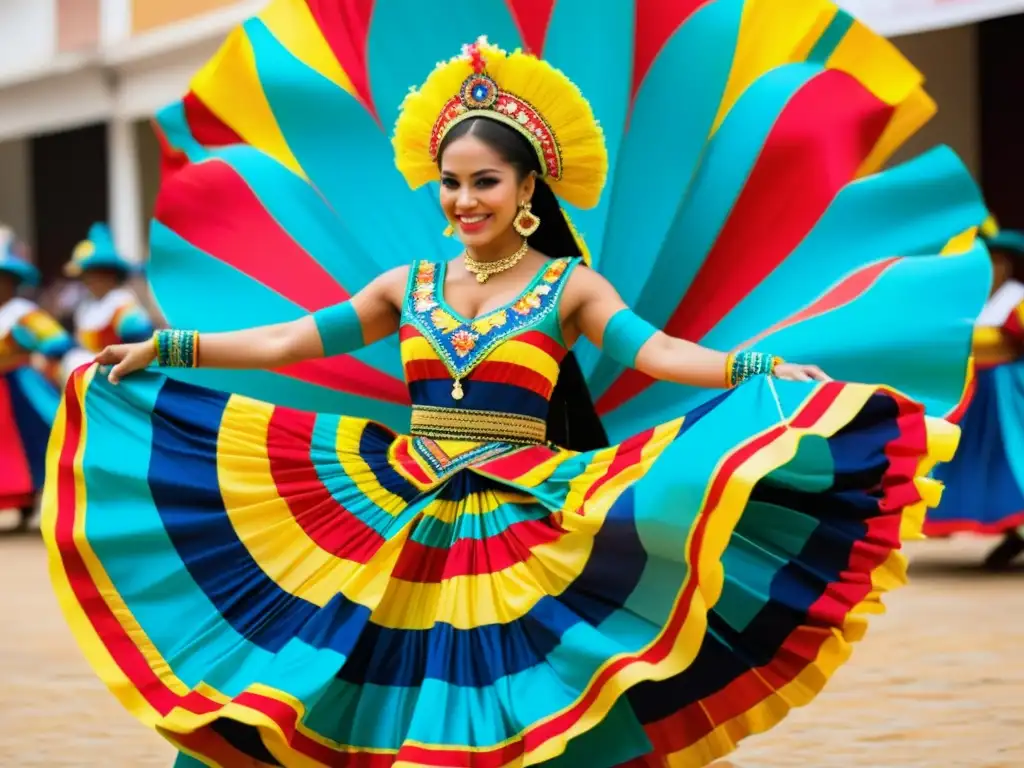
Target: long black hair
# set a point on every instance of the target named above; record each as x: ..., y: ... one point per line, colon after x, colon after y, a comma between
x: 572, y: 419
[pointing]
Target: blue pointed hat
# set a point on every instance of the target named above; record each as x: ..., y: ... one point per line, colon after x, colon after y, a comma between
x: 13, y: 264
x: 97, y: 251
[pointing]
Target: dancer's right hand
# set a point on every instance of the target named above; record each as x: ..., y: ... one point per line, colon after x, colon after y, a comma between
x: 126, y: 359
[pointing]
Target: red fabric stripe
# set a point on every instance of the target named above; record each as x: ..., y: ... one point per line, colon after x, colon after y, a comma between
x: 408, y: 463
x: 207, y: 129
x: 512, y: 374
x: 849, y: 290
x: 814, y: 149
x: 532, y: 17
x: 656, y: 23
x: 408, y: 331
x: 171, y: 158
x: 500, y: 757
x: 544, y: 343
x: 515, y: 465
x: 330, y: 525
x: 820, y: 402
x: 949, y: 527
x: 628, y: 454
x: 243, y: 235
x: 345, y: 25
x: 15, y: 472
x: 346, y: 374
x: 471, y: 557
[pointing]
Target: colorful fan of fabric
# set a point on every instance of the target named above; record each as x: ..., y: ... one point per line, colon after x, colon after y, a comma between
x: 97, y: 251
x: 280, y: 576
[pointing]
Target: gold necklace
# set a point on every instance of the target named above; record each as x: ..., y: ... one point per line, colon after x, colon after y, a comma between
x: 484, y: 269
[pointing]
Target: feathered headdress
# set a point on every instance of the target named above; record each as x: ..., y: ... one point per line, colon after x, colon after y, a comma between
x: 520, y: 91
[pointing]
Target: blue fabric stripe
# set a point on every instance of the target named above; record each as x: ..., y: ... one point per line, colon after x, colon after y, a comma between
x: 481, y: 396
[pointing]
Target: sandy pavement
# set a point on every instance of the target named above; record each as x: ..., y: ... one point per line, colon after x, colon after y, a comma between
x: 939, y: 681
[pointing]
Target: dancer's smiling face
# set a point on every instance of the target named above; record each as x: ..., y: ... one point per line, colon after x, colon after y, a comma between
x: 483, y: 182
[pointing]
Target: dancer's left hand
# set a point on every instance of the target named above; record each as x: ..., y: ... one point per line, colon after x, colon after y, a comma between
x: 796, y: 372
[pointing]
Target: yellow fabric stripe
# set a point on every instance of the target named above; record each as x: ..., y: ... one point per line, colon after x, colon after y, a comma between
x: 992, y: 347
x: 512, y: 351
x: 350, y: 431
x: 876, y: 63
x: 907, y: 120
x: 772, y: 33
x: 268, y: 530
x: 961, y: 243
x: 41, y: 325
x: 292, y: 23
x: 230, y: 87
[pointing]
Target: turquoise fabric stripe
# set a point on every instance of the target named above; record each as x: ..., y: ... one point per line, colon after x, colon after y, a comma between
x: 394, y: 65
x: 337, y: 142
x: 830, y: 39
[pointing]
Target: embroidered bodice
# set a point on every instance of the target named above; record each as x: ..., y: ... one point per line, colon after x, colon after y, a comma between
x: 499, y: 367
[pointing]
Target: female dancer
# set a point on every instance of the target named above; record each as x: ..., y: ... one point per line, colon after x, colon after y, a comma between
x: 510, y: 579
x: 984, y: 492
x: 111, y: 314
x: 28, y: 399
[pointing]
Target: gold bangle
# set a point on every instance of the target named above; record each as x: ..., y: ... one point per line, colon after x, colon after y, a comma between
x: 729, y: 359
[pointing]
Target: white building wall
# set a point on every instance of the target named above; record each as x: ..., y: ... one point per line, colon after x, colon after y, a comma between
x: 27, y: 40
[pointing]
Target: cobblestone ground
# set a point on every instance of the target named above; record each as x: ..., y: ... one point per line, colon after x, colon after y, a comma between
x: 939, y: 681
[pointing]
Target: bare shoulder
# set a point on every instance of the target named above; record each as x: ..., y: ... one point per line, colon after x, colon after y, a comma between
x: 585, y: 282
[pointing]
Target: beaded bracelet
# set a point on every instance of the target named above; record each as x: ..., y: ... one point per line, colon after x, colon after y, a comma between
x: 177, y: 349
x: 740, y: 366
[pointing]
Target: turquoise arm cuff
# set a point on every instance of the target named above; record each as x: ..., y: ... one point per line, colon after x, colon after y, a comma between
x: 624, y: 335
x: 340, y: 329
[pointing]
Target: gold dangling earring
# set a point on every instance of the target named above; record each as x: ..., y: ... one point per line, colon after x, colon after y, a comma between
x: 449, y: 231
x: 525, y: 222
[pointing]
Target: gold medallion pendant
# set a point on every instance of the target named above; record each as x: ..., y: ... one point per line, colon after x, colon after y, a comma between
x: 457, y: 393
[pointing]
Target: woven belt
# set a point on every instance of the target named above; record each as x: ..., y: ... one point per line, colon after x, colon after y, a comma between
x: 478, y: 426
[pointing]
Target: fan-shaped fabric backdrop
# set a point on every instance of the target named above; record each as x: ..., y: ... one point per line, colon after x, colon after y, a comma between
x: 274, y: 576
x: 745, y: 202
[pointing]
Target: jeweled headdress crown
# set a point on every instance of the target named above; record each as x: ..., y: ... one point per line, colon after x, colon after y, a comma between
x: 524, y: 93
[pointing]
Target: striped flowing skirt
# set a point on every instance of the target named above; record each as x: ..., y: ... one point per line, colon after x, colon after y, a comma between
x: 266, y: 586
